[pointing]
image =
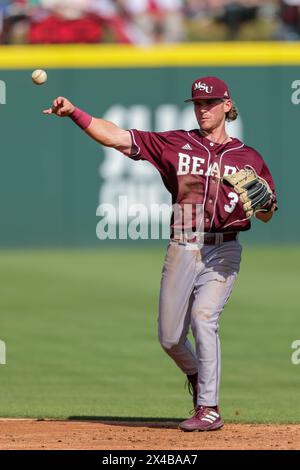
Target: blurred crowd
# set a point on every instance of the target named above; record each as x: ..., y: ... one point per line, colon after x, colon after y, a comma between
x: 147, y: 21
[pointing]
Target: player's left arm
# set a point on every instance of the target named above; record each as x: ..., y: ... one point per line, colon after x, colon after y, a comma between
x: 266, y: 216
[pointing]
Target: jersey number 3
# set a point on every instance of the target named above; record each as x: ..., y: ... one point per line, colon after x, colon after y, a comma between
x: 233, y: 202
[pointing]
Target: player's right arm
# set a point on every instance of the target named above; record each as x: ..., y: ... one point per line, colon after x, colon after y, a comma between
x: 105, y: 132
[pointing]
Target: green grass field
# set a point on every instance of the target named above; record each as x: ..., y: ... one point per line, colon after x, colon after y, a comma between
x: 80, y: 330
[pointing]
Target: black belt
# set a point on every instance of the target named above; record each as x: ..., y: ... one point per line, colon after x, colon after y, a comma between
x: 216, y: 238
x: 209, y: 238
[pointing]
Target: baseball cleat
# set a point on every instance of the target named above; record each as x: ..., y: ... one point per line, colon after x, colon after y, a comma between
x: 204, y: 419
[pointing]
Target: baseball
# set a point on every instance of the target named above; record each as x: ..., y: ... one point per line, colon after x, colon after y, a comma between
x: 39, y: 76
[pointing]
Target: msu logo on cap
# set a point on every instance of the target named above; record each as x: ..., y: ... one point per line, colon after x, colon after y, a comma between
x: 203, y: 87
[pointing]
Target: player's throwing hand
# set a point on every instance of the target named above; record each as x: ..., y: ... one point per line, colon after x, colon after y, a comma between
x: 61, y: 107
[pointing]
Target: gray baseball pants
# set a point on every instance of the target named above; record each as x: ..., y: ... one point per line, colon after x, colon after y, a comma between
x: 196, y: 284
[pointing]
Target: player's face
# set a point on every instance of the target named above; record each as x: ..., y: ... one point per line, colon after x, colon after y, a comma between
x: 211, y: 113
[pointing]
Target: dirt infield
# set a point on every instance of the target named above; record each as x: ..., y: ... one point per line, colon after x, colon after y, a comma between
x: 112, y: 435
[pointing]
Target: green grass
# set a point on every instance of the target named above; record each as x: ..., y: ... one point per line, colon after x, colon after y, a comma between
x: 80, y: 329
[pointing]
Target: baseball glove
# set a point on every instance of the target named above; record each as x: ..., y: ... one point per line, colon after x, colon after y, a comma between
x: 254, y: 192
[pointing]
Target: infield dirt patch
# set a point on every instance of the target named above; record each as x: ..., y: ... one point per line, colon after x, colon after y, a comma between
x: 112, y: 435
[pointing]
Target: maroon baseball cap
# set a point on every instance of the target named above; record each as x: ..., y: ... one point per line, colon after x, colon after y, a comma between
x: 206, y: 88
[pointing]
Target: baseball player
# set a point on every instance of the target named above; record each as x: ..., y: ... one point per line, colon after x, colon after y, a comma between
x: 230, y: 182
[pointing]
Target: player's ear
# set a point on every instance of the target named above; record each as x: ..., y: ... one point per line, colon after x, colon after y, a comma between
x: 227, y: 105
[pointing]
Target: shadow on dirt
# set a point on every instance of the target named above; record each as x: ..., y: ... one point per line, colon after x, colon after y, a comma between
x: 165, y: 423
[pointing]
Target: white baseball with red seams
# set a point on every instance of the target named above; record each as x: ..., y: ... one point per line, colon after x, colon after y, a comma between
x: 39, y: 76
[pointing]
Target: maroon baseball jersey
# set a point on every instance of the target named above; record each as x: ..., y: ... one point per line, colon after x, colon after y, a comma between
x: 191, y: 167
